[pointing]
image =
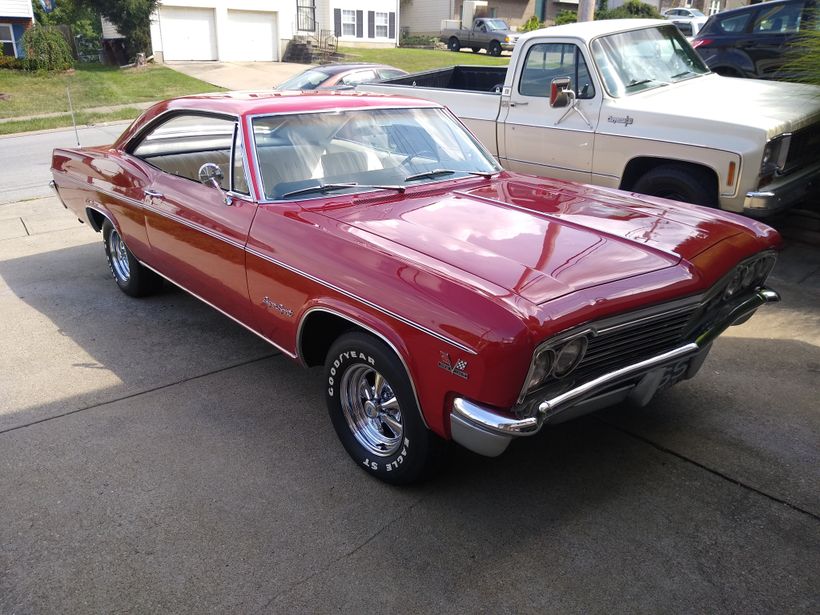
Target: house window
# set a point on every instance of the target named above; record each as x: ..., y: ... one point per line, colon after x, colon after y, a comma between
x: 7, y: 40
x: 306, y: 15
x: 381, y: 25
x: 348, y: 23
x: 714, y: 7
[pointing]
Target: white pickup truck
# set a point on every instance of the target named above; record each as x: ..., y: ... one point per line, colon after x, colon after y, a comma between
x: 629, y: 104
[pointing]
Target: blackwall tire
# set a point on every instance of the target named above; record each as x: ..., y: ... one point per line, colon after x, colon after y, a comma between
x: 133, y: 278
x: 374, y: 411
x: 679, y: 183
x: 454, y: 44
x: 494, y: 49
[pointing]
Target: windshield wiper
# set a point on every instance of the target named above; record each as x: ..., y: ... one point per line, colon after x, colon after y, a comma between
x: 439, y: 172
x: 635, y: 82
x: 684, y: 73
x: 325, y: 188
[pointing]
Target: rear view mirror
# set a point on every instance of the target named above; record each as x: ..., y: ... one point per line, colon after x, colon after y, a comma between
x: 560, y: 92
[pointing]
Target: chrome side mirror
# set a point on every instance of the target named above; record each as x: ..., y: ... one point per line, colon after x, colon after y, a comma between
x: 560, y: 94
x: 212, y: 176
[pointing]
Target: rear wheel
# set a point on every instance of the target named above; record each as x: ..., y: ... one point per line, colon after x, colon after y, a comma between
x: 475, y: 49
x: 679, y: 183
x: 374, y: 411
x: 494, y: 49
x: 453, y: 44
x: 132, y: 277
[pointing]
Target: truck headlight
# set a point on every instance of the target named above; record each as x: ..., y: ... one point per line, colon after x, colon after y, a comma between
x: 774, y: 156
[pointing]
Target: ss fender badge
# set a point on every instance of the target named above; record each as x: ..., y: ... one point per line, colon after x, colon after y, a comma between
x: 277, y: 307
x: 458, y: 369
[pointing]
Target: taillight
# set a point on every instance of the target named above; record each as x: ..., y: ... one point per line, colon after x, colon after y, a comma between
x: 700, y: 42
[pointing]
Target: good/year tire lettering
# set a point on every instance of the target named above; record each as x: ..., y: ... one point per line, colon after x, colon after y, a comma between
x: 337, y: 362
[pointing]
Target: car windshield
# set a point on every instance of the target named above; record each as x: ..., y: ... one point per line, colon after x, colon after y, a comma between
x: 639, y: 60
x: 309, y: 155
x: 308, y: 80
x: 496, y: 24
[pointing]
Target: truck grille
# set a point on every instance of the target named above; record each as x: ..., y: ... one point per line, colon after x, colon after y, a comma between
x: 623, y: 345
x: 804, y: 148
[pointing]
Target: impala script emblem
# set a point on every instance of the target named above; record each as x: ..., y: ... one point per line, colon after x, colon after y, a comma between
x: 457, y: 369
x: 278, y: 307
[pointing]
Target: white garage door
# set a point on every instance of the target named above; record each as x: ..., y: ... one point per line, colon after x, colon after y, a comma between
x: 187, y: 34
x: 252, y: 37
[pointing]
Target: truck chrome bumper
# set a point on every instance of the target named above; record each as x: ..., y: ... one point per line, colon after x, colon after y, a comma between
x: 783, y: 193
x: 488, y: 432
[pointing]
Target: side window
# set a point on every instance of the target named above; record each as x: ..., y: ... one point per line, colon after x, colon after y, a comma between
x: 182, y: 144
x: 781, y: 18
x: 548, y: 61
x: 238, y: 177
x: 362, y: 76
x: 734, y: 23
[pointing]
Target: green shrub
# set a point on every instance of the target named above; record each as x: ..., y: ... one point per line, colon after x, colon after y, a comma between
x: 630, y: 10
x: 46, y: 49
x: 10, y: 62
x: 566, y: 16
x: 417, y: 40
x: 533, y: 23
x: 803, y: 58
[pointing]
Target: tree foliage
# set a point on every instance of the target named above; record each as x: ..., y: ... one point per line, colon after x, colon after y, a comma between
x: 83, y: 19
x: 631, y: 9
x: 46, y: 49
x: 132, y: 19
x: 803, y: 58
x: 533, y: 23
x: 566, y: 16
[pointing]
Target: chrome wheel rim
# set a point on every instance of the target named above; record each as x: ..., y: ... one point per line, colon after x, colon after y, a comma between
x: 371, y: 410
x: 119, y: 257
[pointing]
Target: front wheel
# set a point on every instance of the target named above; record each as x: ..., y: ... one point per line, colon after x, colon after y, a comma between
x: 453, y: 44
x: 130, y: 275
x: 374, y: 411
x: 494, y: 49
x: 678, y: 182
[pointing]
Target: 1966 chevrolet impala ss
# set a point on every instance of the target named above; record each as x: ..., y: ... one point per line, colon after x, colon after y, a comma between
x: 446, y: 298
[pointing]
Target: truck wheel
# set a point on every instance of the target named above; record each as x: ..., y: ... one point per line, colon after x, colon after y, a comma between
x: 374, y: 411
x: 453, y: 44
x: 132, y: 278
x: 679, y: 183
x: 475, y: 49
x: 494, y: 49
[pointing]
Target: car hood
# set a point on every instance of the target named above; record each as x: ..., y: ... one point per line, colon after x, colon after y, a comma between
x: 712, y: 102
x: 536, y: 238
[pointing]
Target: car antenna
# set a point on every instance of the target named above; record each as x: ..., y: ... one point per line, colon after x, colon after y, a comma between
x: 73, y: 119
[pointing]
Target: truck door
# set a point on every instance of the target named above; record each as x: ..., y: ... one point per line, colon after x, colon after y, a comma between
x: 549, y: 141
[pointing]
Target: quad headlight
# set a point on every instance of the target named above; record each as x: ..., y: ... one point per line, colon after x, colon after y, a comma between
x: 556, y: 361
x: 569, y: 356
x: 749, y: 275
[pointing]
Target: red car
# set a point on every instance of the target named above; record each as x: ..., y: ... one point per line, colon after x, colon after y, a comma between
x: 446, y: 298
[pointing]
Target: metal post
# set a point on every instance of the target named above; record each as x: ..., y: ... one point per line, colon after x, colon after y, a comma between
x: 586, y: 10
x: 73, y: 119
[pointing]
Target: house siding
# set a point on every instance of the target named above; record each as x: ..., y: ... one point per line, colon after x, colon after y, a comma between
x: 365, y: 36
x: 16, y: 8
x: 425, y: 16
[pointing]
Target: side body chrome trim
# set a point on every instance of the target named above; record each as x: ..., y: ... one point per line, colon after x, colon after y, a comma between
x: 287, y: 353
x: 361, y: 300
x: 359, y: 323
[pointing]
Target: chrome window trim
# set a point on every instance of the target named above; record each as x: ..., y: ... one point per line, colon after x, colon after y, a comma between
x: 358, y: 323
x: 361, y: 300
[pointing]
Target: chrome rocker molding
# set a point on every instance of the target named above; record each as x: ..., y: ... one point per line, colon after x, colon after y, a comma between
x: 485, y: 431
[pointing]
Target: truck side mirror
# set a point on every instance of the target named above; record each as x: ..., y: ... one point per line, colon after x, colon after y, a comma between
x: 560, y: 94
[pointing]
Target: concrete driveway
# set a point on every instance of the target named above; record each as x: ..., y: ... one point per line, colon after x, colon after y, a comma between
x: 156, y: 457
x: 240, y: 75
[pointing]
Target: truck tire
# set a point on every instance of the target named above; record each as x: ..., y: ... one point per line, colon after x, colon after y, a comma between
x: 454, y: 44
x: 494, y: 49
x: 374, y: 411
x: 679, y: 182
x: 475, y: 49
x: 130, y: 275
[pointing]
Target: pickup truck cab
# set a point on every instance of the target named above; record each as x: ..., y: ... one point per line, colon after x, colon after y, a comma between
x: 491, y: 34
x: 629, y: 104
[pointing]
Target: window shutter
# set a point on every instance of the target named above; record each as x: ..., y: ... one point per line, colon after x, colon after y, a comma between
x: 371, y: 24
x: 391, y: 27
x: 337, y: 22
x: 359, y: 24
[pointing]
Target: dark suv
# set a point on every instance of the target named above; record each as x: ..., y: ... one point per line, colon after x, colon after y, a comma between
x: 751, y: 41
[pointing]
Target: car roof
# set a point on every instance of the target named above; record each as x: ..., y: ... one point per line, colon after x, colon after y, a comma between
x: 752, y: 7
x: 268, y: 102
x: 588, y: 30
x: 335, y: 69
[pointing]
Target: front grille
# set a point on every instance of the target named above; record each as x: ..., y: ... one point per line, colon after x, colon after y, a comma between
x: 804, y: 148
x: 623, y: 345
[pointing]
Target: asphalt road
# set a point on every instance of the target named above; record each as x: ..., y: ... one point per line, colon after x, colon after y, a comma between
x: 156, y: 457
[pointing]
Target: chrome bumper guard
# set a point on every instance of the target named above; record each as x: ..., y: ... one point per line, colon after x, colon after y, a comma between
x: 782, y: 194
x: 487, y: 432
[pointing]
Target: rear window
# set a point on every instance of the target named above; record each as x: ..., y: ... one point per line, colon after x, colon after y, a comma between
x: 730, y: 24
x: 780, y: 18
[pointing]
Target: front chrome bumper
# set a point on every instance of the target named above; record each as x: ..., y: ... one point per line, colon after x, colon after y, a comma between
x: 783, y: 193
x: 488, y: 432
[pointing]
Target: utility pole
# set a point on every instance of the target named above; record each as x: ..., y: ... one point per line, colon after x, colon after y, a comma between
x: 586, y: 10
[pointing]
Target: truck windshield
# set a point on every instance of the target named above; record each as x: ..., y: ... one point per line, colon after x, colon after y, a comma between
x: 639, y: 60
x: 496, y: 24
x: 363, y: 149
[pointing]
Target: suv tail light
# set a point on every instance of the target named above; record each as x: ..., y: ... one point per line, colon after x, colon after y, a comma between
x: 701, y: 42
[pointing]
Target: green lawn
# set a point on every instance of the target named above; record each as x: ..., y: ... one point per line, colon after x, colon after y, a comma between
x: 83, y: 118
x: 415, y: 60
x: 92, y: 85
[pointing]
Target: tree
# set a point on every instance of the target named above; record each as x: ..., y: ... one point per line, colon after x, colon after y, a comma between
x: 630, y: 9
x: 132, y: 19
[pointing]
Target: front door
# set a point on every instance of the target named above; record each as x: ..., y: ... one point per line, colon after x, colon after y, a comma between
x: 538, y: 139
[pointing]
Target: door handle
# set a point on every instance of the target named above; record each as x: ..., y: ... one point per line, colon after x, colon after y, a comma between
x: 153, y: 194
x: 519, y: 104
